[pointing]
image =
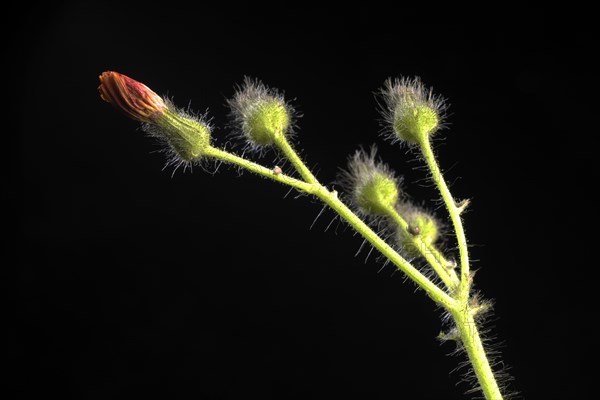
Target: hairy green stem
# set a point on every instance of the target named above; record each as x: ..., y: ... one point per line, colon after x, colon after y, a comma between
x: 471, y: 340
x: 287, y: 149
x: 453, y: 210
x: 258, y: 169
x: 459, y: 308
x: 350, y: 217
x: 429, y: 252
x: 463, y: 316
x: 331, y: 199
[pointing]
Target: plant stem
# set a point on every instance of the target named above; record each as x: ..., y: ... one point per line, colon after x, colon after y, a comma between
x: 331, y: 199
x: 258, y: 169
x: 334, y: 202
x: 427, y: 250
x: 459, y: 308
x: 463, y: 316
x: 469, y: 334
x: 287, y: 149
x: 440, y: 182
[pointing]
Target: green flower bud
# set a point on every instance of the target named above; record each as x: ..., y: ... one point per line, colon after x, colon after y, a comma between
x: 267, y: 119
x: 260, y: 113
x: 377, y: 194
x: 411, y: 112
x: 188, y: 135
x: 373, y: 186
x: 420, y: 224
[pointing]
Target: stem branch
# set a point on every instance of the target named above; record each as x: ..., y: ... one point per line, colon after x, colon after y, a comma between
x: 459, y: 308
x: 437, y: 294
x: 331, y: 199
x: 287, y: 149
x: 258, y: 169
x: 440, y: 182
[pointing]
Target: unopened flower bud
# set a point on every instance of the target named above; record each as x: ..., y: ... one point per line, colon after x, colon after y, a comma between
x: 420, y: 224
x: 132, y: 98
x: 260, y: 113
x: 411, y: 112
x: 187, y: 136
x: 373, y: 185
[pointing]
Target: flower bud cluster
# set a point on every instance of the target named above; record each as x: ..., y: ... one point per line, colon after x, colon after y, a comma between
x: 375, y: 191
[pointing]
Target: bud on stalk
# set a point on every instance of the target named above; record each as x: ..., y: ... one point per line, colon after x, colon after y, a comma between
x: 187, y: 136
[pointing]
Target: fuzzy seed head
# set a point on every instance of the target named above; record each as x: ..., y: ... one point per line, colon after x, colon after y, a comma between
x: 411, y: 111
x: 260, y: 113
x: 373, y: 185
x: 420, y: 224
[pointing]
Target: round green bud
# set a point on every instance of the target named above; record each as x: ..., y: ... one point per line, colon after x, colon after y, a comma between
x: 260, y: 113
x: 266, y: 120
x: 420, y: 224
x: 415, y: 123
x: 377, y: 193
x: 411, y: 111
x: 374, y: 187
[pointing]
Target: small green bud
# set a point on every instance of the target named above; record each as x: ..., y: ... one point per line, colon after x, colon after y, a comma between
x: 187, y: 136
x: 260, y: 113
x: 420, y: 224
x: 415, y: 122
x: 411, y: 112
x: 373, y: 185
x: 267, y: 119
x: 377, y: 194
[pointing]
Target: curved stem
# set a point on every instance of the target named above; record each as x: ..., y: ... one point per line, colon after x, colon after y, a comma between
x: 453, y: 210
x: 334, y: 202
x: 464, y: 315
x: 429, y: 252
x: 461, y: 312
x: 331, y: 199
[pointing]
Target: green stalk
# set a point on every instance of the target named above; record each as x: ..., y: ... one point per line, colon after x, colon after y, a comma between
x: 258, y: 169
x: 471, y: 340
x: 287, y: 149
x: 459, y: 308
x: 331, y: 199
x: 463, y: 315
x: 453, y: 210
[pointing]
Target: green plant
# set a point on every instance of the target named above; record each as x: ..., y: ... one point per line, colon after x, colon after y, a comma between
x: 412, y: 114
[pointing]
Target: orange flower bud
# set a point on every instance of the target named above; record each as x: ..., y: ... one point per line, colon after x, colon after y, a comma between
x: 132, y: 98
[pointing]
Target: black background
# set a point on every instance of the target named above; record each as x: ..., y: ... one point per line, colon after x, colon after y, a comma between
x: 127, y: 281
